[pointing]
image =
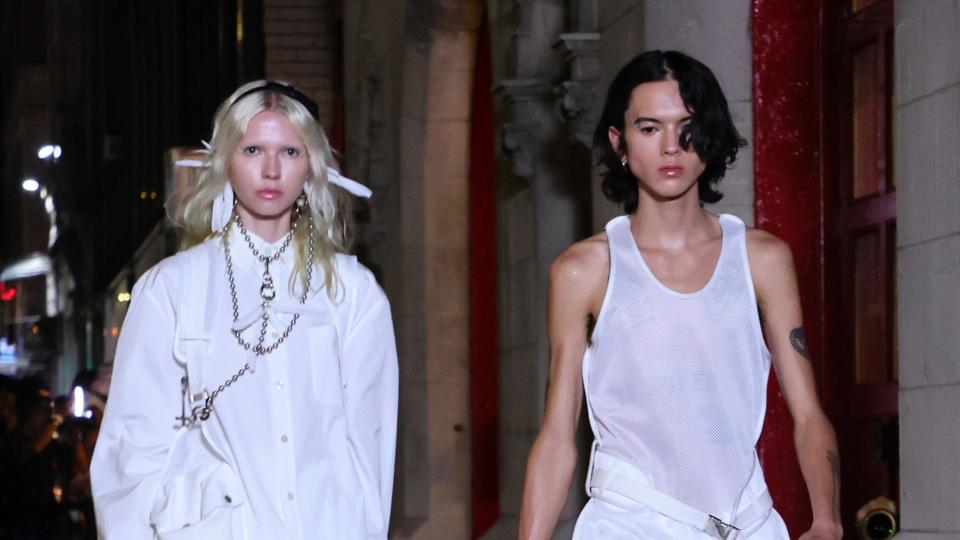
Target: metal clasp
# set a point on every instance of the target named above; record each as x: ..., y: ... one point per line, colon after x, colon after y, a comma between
x: 267, y: 292
x: 726, y: 531
x: 197, y: 412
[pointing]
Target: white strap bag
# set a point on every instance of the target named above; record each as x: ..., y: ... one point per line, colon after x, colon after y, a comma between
x: 201, y: 495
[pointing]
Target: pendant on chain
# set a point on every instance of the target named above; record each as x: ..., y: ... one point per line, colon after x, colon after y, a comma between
x: 267, y: 292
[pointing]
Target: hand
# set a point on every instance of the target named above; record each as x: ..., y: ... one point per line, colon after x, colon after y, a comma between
x: 823, y: 531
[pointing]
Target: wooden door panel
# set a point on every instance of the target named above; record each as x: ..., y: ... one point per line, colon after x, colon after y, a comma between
x: 862, y: 259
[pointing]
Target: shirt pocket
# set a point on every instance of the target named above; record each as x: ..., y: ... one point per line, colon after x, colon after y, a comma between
x: 325, y: 364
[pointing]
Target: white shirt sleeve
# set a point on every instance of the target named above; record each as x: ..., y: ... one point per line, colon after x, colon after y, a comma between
x: 371, y: 379
x: 138, y: 424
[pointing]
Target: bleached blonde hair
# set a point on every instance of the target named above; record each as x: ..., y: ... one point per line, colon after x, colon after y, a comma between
x: 329, y: 206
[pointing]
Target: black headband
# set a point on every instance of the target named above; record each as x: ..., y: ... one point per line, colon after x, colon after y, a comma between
x: 286, y: 90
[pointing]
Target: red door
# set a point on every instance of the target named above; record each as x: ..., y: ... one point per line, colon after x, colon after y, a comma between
x: 861, y: 266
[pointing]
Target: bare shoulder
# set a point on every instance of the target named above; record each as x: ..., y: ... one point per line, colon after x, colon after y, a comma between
x: 767, y: 253
x: 771, y: 268
x: 584, y: 263
x: 578, y: 283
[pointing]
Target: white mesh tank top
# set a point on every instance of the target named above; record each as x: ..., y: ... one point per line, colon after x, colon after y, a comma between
x: 676, y: 383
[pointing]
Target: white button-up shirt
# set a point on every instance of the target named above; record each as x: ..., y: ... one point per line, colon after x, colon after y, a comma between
x: 309, y: 434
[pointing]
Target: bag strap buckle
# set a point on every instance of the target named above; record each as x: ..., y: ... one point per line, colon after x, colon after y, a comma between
x: 192, y: 406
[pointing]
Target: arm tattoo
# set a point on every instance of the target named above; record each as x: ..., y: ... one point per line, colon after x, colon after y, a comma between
x: 799, y: 341
x: 834, y: 461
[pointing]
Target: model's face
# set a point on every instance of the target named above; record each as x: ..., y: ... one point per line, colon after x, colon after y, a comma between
x: 268, y: 168
x: 651, y: 142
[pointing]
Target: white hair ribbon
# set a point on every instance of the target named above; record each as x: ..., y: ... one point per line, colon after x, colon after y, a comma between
x: 333, y: 176
x: 223, y: 204
x: 354, y: 187
x: 222, y: 209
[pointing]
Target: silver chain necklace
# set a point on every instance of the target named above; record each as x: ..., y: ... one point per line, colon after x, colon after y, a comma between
x: 267, y: 294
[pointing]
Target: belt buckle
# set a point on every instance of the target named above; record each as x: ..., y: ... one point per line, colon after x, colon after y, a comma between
x: 726, y: 531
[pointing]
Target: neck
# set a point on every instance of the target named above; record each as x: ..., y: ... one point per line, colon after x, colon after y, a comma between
x: 270, y: 229
x: 672, y: 223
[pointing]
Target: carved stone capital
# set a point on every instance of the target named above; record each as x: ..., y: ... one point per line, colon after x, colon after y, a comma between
x: 524, y: 101
x: 578, y: 98
x: 516, y: 141
x: 519, y: 91
x: 581, y: 52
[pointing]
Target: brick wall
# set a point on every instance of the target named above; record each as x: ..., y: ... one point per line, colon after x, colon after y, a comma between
x: 302, y: 46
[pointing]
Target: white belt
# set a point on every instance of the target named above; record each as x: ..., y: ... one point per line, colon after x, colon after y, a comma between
x: 601, y: 482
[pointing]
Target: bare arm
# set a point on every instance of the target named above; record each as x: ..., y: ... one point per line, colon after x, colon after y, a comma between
x: 777, y: 292
x: 577, y: 283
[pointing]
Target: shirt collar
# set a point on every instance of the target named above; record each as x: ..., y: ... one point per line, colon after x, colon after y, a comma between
x: 243, y: 256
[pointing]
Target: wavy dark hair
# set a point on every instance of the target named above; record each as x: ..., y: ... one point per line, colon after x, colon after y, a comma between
x: 710, y: 131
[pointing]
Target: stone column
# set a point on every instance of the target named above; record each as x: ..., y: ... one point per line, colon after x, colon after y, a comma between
x: 716, y: 32
x: 621, y: 30
x: 408, y: 77
x: 543, y: 207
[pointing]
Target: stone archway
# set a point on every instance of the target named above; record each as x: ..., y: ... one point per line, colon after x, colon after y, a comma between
x: 408, y: 74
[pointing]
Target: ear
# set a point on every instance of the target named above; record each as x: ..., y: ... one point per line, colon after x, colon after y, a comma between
x: 615, y: 136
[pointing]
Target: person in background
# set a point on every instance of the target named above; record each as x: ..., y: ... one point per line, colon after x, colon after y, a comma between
x: 8, y: 402
x: 79, y: 432
x: 34, y: 469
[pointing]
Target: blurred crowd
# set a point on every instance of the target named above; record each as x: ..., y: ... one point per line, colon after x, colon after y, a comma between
x: 45, y: 447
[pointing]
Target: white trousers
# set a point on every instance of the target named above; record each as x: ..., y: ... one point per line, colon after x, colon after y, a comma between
x: 605, y: 520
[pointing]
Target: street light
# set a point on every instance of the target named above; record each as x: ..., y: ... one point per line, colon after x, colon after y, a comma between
x: 50, y: 150
x: 49, y: 153
x: 30, y: 184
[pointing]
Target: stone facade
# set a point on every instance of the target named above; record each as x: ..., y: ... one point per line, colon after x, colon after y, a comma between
x: 927, y: 135
x: 543, y: 207
x: 407, y: 75
x: 407, y: 72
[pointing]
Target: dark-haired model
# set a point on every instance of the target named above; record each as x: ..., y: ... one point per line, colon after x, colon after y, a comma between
x: 659, y: 315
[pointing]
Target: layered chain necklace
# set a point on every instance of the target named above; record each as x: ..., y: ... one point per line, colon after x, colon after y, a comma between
x: 267, y: 294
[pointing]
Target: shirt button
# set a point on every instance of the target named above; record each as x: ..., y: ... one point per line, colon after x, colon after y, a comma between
x: 283, y: 439
x: 290, y: 496
x: 280, y: 385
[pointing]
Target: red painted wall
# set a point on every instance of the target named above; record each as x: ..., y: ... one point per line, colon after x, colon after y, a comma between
x: 484, y: 350
x: 789, y: 203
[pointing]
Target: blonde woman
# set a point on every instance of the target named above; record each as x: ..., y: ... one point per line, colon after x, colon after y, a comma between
x: 254, y: 392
